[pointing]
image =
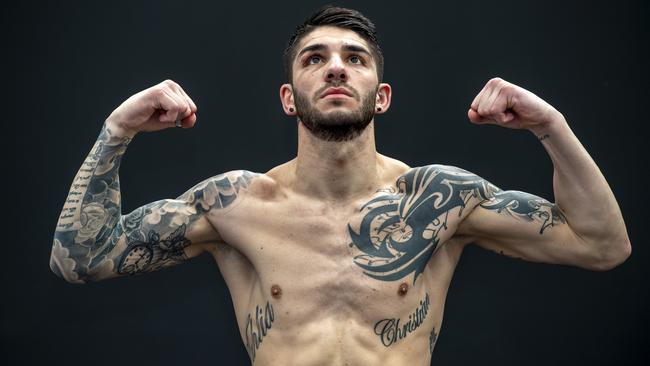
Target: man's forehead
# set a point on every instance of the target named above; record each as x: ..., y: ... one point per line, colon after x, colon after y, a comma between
x: 332, y: 36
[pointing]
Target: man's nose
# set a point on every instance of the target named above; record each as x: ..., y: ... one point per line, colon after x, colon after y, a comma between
x: 336, y: 70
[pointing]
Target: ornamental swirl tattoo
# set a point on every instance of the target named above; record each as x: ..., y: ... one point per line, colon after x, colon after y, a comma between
x: 526, y: 206
x: 401, y: 230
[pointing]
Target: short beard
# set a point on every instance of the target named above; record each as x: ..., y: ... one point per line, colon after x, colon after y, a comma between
x: 336, y: 126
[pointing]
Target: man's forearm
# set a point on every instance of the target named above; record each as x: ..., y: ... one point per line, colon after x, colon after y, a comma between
x: 91, y: 211
x: 582, y: 193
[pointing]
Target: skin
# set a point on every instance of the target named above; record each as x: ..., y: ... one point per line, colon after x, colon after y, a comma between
x: 341, y: 256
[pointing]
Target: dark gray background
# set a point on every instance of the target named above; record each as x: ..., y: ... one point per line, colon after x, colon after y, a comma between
x: 70, y: 63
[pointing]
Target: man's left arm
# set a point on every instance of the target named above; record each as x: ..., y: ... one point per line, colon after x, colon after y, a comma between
x: 584, y: 227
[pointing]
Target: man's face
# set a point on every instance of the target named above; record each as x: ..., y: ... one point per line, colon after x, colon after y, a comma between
x: 334, y: 83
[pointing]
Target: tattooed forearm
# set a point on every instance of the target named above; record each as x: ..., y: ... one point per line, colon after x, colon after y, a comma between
x: 94, y: 241
x: 92, y: 209
x: 526, y: 206
x: 257, y: 327
x: 390, y: 330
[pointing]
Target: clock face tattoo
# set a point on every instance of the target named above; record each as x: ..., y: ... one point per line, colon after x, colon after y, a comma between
x: 155, y: 253
x: 137, y: 259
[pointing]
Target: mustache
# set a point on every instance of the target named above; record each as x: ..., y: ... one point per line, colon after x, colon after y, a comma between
x: 336, y: 84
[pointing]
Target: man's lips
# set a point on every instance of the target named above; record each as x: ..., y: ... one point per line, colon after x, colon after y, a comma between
x: 336, y: 93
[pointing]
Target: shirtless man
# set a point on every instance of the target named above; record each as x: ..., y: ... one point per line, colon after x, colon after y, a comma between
x: 341, y: 256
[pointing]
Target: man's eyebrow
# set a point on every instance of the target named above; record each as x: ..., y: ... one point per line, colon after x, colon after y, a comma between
x: 354, y: 48
x: 314, y: 47
x: 321, y: 47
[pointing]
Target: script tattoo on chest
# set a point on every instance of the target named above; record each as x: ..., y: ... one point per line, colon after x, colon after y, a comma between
x: 390, y: 330
x: 257, y: 327
x: 401, y: 229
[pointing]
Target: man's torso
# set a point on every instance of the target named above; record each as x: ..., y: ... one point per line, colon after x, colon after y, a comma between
x: 327, y: 283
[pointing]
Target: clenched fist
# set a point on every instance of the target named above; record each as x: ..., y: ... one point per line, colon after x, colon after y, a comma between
x: 153, y: 109
x: 507, y: 105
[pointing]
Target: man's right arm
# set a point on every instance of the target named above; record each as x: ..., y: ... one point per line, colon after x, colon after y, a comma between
x: 94, y: 241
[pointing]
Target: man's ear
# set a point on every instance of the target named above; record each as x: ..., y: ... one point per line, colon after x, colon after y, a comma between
x: 286, y: 98
x: 382, y: 100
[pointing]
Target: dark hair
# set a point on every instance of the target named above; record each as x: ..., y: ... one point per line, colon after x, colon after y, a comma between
x: 337, y: 17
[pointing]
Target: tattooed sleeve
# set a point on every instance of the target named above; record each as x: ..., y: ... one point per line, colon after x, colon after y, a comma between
x: 94, y: 241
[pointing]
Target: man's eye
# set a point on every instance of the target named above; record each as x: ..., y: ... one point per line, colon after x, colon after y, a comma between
x: 313, y: 60
x: 356, y: 60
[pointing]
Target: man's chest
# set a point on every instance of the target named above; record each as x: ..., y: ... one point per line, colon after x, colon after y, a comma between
x: 389, y: 234
x: 374, y: 271
x: 373, y: 253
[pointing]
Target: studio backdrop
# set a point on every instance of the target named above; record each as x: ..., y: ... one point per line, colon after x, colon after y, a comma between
x: 70, y: 63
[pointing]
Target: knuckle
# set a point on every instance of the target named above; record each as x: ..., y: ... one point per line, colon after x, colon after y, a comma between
x: 159, y: 91
x: 170, y: 84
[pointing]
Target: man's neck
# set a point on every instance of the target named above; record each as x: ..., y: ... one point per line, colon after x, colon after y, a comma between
x: 336, y: 171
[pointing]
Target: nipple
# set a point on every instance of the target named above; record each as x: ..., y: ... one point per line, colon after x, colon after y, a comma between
x: 403, y: 289
x: 276, y: 291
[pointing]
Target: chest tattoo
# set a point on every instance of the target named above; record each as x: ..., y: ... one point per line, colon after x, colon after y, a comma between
x: 401, y: 229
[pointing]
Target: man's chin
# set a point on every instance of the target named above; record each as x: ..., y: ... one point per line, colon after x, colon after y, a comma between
x: 339, y: 118
x: 334, y: 108
x: 336, y: 126
x: 336, y: 119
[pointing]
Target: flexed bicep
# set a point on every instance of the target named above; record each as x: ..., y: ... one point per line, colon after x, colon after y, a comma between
x: 169, y: 232
x: 525, y: 226
x: 526, y: 207
x: 155, y: 236
x: 159, y: 235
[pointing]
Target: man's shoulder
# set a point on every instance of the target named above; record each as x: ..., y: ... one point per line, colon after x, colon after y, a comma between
x: 436, y: 169
x: 230, y: 180
x: 224, y: 190
x: 245, y: 182
x: 448, y: 180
